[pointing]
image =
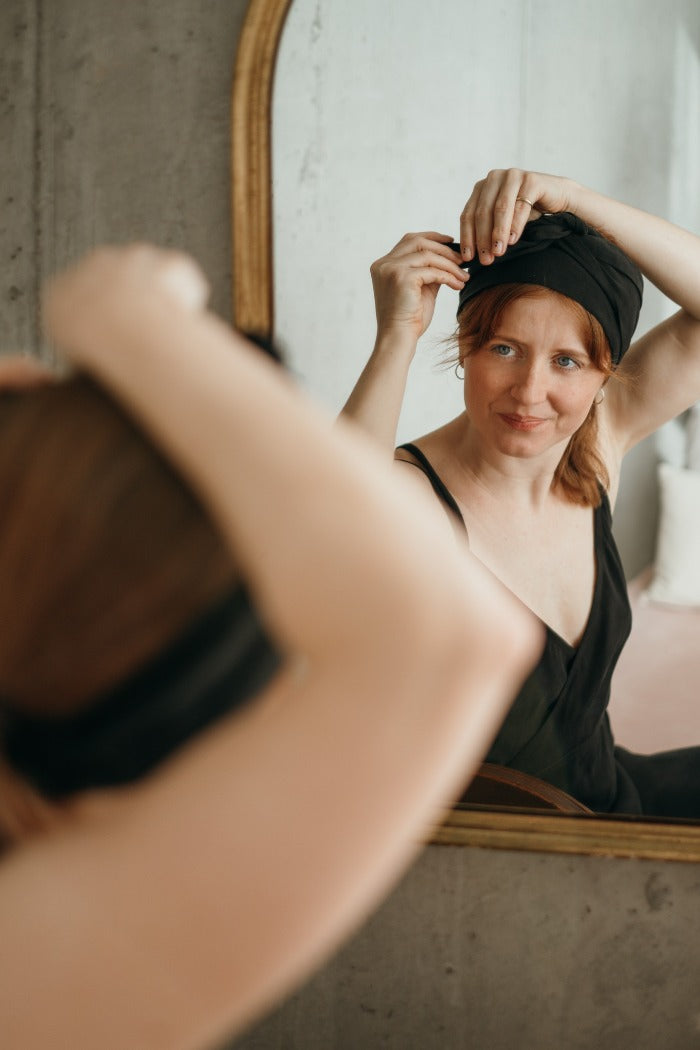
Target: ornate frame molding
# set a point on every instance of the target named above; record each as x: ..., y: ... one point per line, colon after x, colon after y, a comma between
x: 251, y: 164
x: 560, y: 833
x: 251, y: 167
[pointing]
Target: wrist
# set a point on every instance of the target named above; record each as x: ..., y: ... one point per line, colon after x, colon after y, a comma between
x: 584, y: 202
x: 396, y: 340
x: 572, y: 195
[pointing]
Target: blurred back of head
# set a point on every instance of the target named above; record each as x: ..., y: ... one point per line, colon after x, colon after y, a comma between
x: 105, y: 553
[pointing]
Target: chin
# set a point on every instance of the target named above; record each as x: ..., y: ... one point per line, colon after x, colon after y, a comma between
x: 513, y: 443
x: 520, y: 449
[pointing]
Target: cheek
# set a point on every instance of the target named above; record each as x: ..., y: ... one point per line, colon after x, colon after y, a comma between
x: 480, y: 383
x: 575, y: 402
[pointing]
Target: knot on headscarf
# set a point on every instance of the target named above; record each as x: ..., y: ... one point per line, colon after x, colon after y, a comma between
x: 562, y: 253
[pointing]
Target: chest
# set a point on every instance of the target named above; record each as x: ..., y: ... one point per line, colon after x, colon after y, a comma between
x: 547, y: 559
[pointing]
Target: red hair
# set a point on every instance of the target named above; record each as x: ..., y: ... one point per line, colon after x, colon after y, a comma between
x: 581, y: 470
x: 105, y: 553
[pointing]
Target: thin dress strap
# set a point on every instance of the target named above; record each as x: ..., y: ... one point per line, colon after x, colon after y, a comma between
x: 439, y: 487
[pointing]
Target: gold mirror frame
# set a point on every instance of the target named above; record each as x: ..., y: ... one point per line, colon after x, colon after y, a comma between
x: 253, y: 304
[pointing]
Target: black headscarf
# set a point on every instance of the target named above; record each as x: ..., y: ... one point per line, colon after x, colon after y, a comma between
x: 562, y: 253
x: 218, y: 664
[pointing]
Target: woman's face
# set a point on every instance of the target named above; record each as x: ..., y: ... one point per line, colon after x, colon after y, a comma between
x: 532, y: 385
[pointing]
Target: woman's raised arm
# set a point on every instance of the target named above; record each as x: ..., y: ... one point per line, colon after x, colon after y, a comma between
x: 406, y: 283
x: 165, y: 914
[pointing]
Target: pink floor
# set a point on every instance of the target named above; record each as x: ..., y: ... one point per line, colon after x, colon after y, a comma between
x: 655, y: 699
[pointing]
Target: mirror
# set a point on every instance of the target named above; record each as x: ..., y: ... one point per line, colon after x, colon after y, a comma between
x: 380, y: 121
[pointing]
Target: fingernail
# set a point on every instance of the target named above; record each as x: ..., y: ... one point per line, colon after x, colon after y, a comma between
x: 498, y: 246
x: 467, y: 253
x: 511, y: 239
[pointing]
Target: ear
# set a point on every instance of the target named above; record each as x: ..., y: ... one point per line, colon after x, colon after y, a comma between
x: 18, y: 372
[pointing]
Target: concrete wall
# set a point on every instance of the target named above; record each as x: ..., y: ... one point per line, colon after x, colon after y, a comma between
x: 496, y: 950
x: 114, y: 125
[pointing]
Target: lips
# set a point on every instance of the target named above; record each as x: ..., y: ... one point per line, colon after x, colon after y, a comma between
x: 522, y: 422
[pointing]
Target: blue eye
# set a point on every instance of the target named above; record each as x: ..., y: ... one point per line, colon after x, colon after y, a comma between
x: 567, y: 363
x: 502, y: 350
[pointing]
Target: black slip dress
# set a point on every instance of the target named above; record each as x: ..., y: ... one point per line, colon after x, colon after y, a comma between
x: 558, y: 727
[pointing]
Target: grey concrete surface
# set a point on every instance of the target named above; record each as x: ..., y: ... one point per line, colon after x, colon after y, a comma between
x: 115, y: 126
x: 496, y: 950
x: 18, y: 175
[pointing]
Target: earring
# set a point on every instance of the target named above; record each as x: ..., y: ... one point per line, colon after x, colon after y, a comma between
x: 600, y: 397
x: 459, y: 365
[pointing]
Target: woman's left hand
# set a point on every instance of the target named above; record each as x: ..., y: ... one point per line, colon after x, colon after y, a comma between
x: 501, y: 204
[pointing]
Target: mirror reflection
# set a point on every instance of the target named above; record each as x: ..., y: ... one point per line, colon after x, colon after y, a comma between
x: 383, y: 123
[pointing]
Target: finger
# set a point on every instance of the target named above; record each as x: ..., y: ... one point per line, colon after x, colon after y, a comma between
x: 436, y: 261
x: 410, y: 241
x: 422, y: 243
x: 436, y: 275
x: 182, y: 279
x: 403, y: 268
x: 452, y: 251
x: 467, y: 235
x: 524, y: 211
x: 484, y: 215
x: 396, y: 268
x: 21, y: 373
x: 422, y: 272
x: 505, y: 205
x: 174, y: 272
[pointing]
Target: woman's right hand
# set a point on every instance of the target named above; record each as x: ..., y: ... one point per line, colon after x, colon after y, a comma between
x: 407, y: 280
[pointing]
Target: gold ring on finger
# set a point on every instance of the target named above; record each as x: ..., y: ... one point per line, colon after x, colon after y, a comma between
x: 525, y: 201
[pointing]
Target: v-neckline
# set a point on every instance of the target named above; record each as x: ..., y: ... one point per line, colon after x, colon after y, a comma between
x: 443, y: 493
x: 576, y: 649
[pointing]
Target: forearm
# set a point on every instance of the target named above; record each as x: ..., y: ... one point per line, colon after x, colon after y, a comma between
x: 376, y: 400
x: 667, y: 255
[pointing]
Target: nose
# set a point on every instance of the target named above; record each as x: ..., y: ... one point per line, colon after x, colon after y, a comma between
x: 530, y: 386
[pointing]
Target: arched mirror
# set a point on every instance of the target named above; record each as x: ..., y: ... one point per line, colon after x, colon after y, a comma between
x: 352, y: 123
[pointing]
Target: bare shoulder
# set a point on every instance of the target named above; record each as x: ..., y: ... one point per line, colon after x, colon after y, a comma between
x: 424, y: 451
x: 414, y: 470
x: 411, y: 467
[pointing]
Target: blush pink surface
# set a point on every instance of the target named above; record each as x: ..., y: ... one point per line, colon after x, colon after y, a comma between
x: 655, y: 695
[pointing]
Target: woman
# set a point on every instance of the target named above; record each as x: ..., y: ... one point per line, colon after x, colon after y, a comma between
x: 173, y: 865
x: 554, y: 399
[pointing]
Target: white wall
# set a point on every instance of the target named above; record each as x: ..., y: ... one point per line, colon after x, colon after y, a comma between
x: 386, y: 114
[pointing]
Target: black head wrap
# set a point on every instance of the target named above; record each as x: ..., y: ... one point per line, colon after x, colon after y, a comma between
x: 562, y: 253
x: 220, y: 662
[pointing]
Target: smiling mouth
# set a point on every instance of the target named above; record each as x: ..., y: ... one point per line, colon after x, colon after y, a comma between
x: 522, y: 422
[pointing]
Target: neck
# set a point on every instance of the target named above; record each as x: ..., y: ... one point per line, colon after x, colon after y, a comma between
x: 517, y: 479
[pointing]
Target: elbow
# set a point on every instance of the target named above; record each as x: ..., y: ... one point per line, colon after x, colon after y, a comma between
x: 466, y: 629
